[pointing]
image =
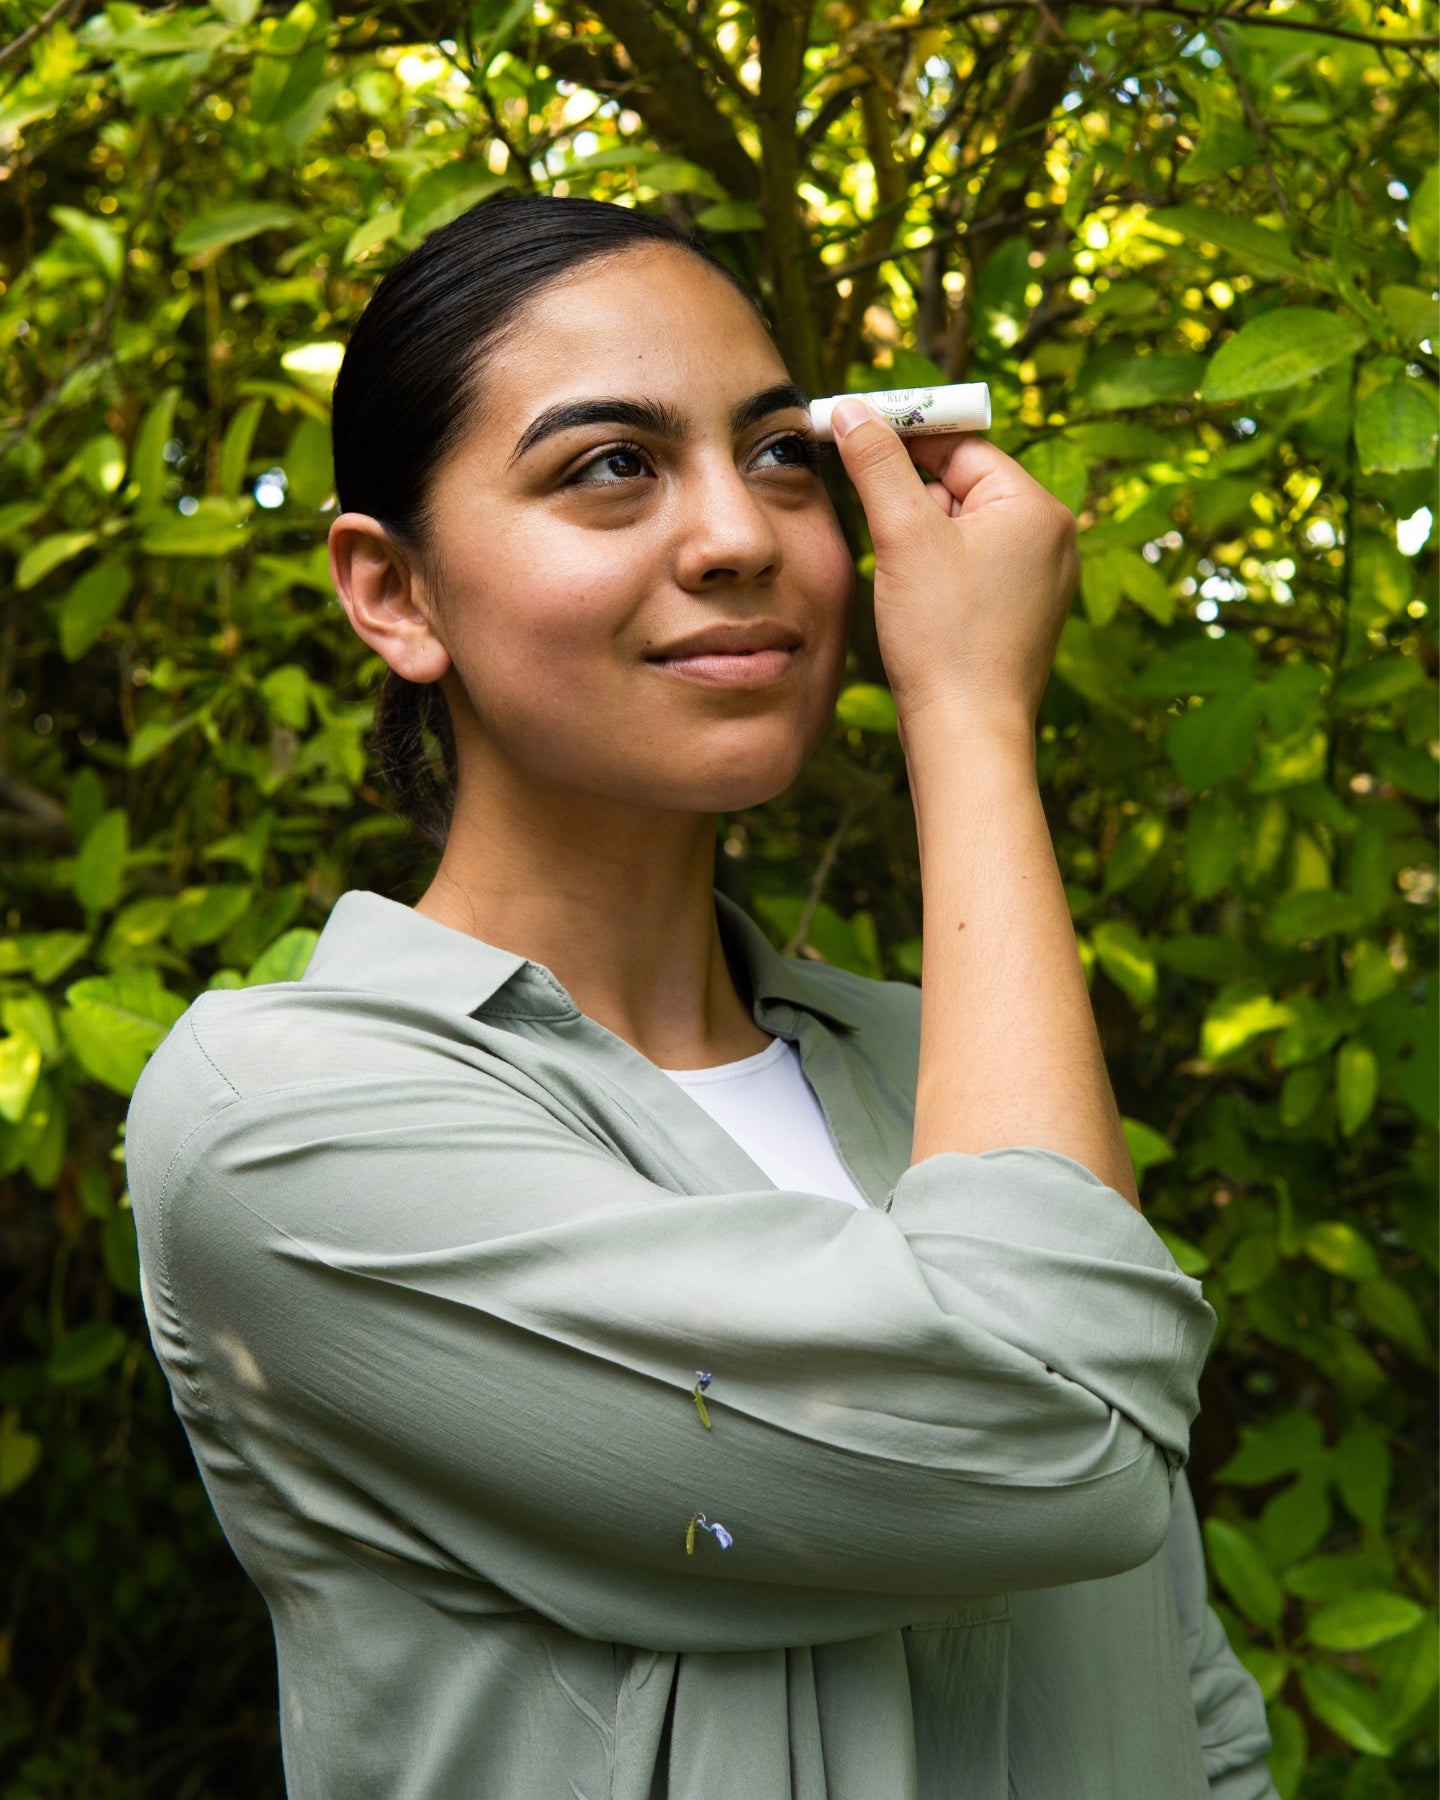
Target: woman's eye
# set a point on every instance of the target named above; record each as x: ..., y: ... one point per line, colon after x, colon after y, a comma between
x: 611, y: 466
x: 794, y: 451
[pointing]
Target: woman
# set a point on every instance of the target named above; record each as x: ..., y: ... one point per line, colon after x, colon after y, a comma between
x: 631, y: 1363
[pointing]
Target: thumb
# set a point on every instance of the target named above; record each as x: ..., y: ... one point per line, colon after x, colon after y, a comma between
x: 879, y: 465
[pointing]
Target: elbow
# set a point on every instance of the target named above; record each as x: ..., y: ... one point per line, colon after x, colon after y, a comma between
x: 1097, y: 1528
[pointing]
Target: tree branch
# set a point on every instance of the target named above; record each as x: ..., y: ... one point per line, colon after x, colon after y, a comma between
x: 672, y: 93
x: 27, y: 37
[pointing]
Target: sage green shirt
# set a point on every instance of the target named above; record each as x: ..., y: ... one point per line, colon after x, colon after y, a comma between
x: 432, y: 1261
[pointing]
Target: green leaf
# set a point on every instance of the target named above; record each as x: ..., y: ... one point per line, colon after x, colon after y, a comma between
x: 1251, y: 243
x: 1271, y: 1668
x: 1409, y: 1671
x: 85, y: 1352
x: 1414, y: 314
x: 102, y: 462
x: 1376, y: 683
x: 1141, y: 381
x: 147, y: 462
x: 1291, y: 1442
x: 1189, y: 1258
x: 20, y: 1059
x: 228, y: 225
x: 90, y: 605
x: 285, y: 960
x: 204, y: 914
x: 731, y: 215
x: 112, y: 1023
x: 1326, y: 1578
x: 309, y: 475
x: 1357, y: 1083
x: 443, y: 194
x: 314, y: 366
x: 154, y: 735
x: 1293, y: 762
x: 1362, y: 1471
x: 1396, y: 427
x: 99, y: 240
x: 1312, y: 913
x: 19, y: 1454
x: 1244, y: 1574
x: 1198, y: 665
x: 215, y: 528
x: 371, y: 233
x: 1387, y: 1306
x: 1138, y: 846
x: 235, y: 448
x: 287, y: 695
x: 1111, y: 574
x: 1060, y: 469
x: 49, y: 554
x: 1424, y: 221
x: 1146, y: 1146
x: 1278, y: 350
x: 866, y: 707
x: 1210, y: 743
x: 1250, y: 1262
x: 1289, y: 1750
x: 1127, y: 959
x: 1361, y: 1620
x: 1214, y: 834
x: 1083, y: 663
x: 100, y: 866
x: 1341, y: 1249
x: 1300, y: 1094
x: 1350, y: 1710
x: 120, y: 1252
x: 1238, y: 1015
x: 1225, y: 139
x: 1296, y: 1519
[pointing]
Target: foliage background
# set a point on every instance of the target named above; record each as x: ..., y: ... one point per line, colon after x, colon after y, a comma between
x: 1193, y: 251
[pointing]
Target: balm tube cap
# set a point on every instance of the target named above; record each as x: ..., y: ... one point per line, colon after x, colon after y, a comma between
x: 915, y: 412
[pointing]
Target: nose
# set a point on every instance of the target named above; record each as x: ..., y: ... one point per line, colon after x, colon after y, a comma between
x: 727, y: 538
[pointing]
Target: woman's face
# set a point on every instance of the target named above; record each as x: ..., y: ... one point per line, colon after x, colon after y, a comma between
x: 639, y: 489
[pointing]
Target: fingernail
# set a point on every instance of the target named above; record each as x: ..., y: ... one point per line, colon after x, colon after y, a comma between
x: 848, y: 414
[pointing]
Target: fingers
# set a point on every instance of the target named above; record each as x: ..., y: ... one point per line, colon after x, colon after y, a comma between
x: 879, y: 465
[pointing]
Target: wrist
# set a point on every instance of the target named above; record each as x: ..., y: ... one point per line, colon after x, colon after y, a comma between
x: 941, y: 730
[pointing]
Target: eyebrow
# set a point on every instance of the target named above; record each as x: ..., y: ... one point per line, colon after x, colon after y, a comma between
x: 651, y: 416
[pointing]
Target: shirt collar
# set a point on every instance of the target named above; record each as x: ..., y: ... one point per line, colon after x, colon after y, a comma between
x: 378, y: 945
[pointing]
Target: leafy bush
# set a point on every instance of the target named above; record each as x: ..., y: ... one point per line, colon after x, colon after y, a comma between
x: 1196, y: 264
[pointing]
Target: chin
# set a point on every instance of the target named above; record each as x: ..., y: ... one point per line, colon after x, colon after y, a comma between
x: 733, y: 783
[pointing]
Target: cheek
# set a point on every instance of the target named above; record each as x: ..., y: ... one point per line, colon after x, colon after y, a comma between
x: 528, y: 610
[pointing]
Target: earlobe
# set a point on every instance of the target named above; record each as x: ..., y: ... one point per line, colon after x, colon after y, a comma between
x: 384, y: 597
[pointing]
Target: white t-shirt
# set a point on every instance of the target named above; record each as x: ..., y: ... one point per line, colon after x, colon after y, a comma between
x: 770, y: 1110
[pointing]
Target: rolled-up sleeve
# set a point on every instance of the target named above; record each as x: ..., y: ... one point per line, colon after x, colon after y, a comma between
x: 437, y: 1318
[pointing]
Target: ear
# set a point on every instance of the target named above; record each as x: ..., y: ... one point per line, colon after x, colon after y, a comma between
x: 384, y: 597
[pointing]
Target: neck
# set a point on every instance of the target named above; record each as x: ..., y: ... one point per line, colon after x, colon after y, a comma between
x: 616, y: 901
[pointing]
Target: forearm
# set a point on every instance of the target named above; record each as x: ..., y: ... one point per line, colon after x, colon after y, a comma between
x: 1009, y: 1052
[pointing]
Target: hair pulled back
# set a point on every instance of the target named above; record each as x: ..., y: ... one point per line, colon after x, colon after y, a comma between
x: 406, y: 392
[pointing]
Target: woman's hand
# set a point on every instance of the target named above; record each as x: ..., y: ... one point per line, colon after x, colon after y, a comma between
x: 973, y: 572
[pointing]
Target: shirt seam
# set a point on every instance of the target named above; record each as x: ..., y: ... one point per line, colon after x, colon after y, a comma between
x: 190, y: 1372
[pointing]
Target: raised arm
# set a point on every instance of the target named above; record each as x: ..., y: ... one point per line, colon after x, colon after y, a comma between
x: 972, y: 578
x: 412, y: 1297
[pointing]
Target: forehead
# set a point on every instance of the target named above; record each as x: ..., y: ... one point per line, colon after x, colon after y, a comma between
x: 654, y: 321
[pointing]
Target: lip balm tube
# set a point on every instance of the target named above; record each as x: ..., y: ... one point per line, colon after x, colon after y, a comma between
x: 915, y: 412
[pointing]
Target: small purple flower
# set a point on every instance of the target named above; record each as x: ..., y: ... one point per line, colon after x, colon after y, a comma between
x: 697, y: 1394
x: 721, y: 1536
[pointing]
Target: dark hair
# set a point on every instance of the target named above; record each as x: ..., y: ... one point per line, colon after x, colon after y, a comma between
x: 406, y: 391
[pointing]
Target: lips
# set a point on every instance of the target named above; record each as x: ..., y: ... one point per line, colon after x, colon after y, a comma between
x: 756, y: 654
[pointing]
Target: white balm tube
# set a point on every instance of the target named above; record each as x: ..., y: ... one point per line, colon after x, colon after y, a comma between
x: 915, y: 412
